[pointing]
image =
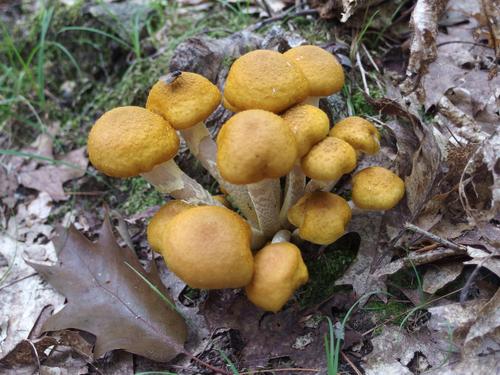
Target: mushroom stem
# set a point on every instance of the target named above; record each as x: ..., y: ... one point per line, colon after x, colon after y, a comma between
x: 312, y: 100
x: 203, y: 147
x: 355, y: 210
x: 282, y: 236
x: 168, y: 178
x: 294, y: 189
x: 266, y: 199
x: 315, y: 185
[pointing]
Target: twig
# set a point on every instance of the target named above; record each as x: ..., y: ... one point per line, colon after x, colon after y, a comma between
x: 353, y: 366
x: 282, y: 16
x: 435, y: 238
x: 18, y: 280
x: 368, y: 54
x: 363, y: 73
x: 427, y: 248
x: 468, y: 283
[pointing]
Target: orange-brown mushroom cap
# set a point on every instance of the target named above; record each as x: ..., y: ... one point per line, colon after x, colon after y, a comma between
x: 208, y: 247
x: 309, y: 125
x: 329, y: 160
x: 264, y: 79
x: 279, y: 270
x: 188, y: 100
x: 321, y: 217
x: 321, y: 69
x: 377, y: 188
x: 128, y: 141
x: 361, y: 134
x: 156, y: 226
x: 254, y: 145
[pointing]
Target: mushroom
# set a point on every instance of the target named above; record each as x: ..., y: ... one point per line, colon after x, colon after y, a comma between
x: 264, y: 79
x: 186, y: 100
x: 321, y: 69
x: 377, y: 188
x: 321, y: 217
x: 310, y: 125
x: 256, y: 148
x: 157, y: 224
x: 208, y: 247
x: 361, y: 134
x: 279, y: 271
x: 131, y: 141
x: 327, y: 162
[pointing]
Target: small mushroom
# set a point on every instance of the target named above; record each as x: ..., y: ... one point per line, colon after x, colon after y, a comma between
x: 131, y: 141
x: 186, y: 101
x: 157, y: 224
x: 256, y: 148
x: 279, y: 271
x: 321, y: 69
x: 321, y: 217
x: 327, y: 162
x: 361, y: 134
x: 310, y: 125
x: 208, y: 247
x: 264, y: 79
x: 377, y: 188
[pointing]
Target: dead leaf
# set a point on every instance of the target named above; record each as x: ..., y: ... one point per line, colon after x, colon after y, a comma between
x: 50, y: 178
x: 424, y: 22
x: 439, y: 276
x: 23, y: 293
x: 394, y: 349
x: 108, y: 299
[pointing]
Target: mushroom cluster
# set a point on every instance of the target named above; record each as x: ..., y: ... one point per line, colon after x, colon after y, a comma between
x: 276, y: 161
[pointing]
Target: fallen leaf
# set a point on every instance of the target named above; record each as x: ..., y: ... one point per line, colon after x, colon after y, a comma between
x: 394, y: 349
x: 23, y: 293
x: 108, y: 299
x: 424, y: 22
x: 50, y: 178
x: 438, y: 276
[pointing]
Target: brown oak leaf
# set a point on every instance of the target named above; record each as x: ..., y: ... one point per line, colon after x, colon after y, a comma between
x: 109, y: 299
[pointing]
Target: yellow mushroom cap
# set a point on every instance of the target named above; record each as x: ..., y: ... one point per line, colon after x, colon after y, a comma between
x: 156, y: 226
x: 186, y: 101
x: 208, y: 247
x: 278, y: 271
x: 254, y: 145
x: 228, y: 105
x: 329, y: 160
x: 321, y: 69
x: 377, y: 188
x: 264, y: 79
x: 361, y: 134
x: 309, y: 125
x: 128, y: 141
x: 321, y: 217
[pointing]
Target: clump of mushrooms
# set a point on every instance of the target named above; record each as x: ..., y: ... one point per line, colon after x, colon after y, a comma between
x: 262, y: 158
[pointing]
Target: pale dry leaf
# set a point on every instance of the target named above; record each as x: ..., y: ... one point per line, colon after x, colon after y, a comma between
x: 424, y: 22
x: 485, y: 259
x: 50, y: 178
x: 394, y: 349
x: 438, y: 276
x: 23, y: 293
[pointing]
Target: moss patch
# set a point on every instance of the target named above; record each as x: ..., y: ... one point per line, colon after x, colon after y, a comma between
x: 141, y: 196
x: 326, y: 268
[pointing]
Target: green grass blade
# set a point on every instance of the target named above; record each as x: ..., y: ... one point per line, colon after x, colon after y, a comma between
x: 230, y: 364
x: 97, y: 31
x: 68, y: 54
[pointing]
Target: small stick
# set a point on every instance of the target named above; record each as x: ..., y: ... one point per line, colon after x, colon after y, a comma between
x: 427, y: 248
x: 353, y: 366
x: 363, y: 73
x: 259, y: 25
x: 436, y: 238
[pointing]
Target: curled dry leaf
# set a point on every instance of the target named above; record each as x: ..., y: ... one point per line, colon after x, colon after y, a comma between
x: 424, y: 22
x: 439, y: 276
x: 108, y: 299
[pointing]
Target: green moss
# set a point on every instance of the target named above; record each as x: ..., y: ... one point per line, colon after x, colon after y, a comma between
x: 325, y: 269
x: 141, y: 196
x: 390, y: 310
x: 361, y: 106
